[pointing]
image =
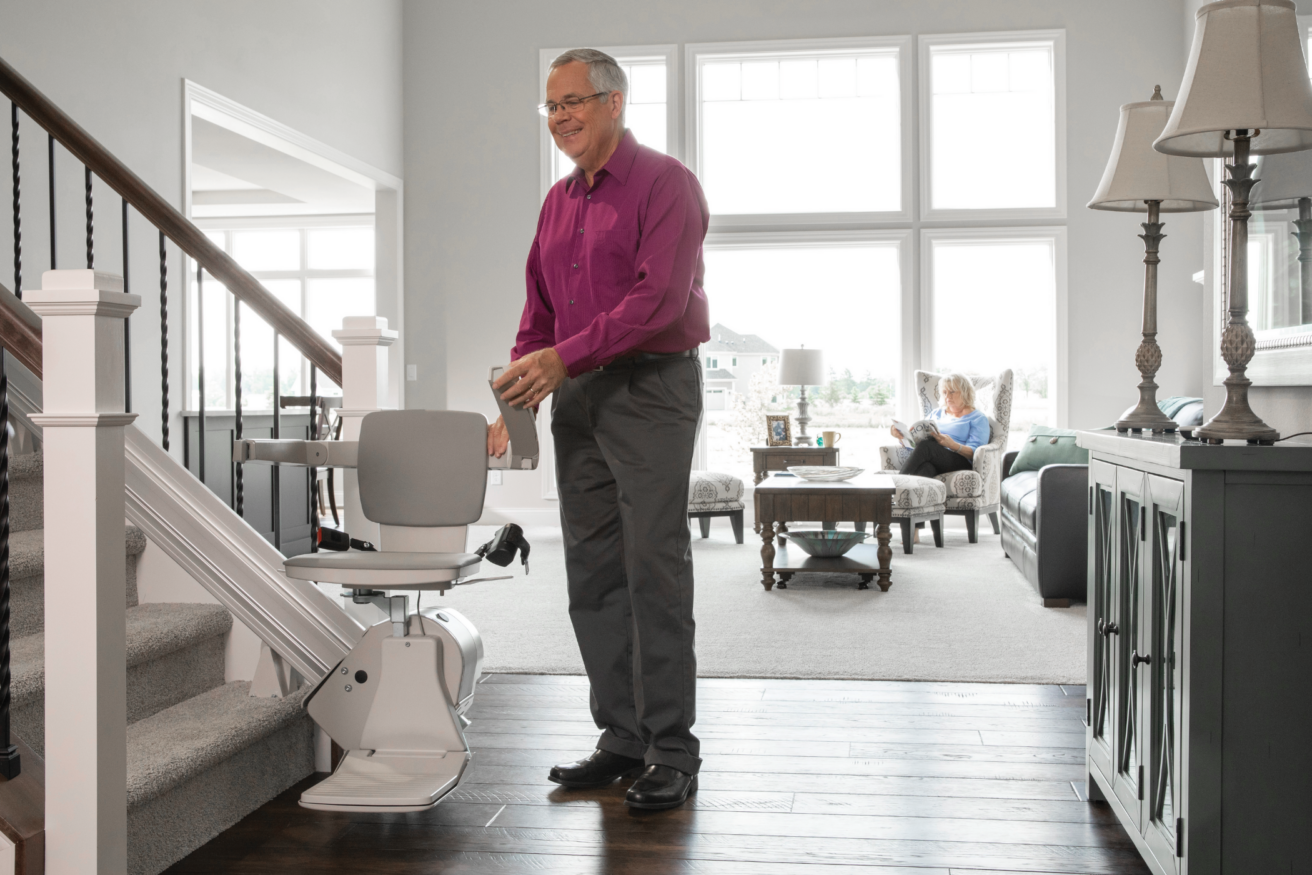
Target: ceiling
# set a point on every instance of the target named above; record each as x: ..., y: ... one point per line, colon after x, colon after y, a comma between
x: 233, y: 175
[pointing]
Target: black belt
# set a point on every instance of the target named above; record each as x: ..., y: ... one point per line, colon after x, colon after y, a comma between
x: 642, y: 358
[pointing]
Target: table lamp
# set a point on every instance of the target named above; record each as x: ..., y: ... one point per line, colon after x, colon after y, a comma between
x: 1245, y: 92
x: 1139, y: 179
x: 802, y: 367
x: 1286, y: 184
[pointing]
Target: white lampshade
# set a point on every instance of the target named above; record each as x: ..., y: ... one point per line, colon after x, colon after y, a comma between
x: 1136, y: 172
x: 802, y: 367
x: 1282, y: 180
x: 1246, y: 71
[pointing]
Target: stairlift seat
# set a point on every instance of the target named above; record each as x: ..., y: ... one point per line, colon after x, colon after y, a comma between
x: 383, y: 570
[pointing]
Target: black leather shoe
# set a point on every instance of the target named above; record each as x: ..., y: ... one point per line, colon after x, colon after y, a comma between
x: 661, y: 787
x: 598, y: 770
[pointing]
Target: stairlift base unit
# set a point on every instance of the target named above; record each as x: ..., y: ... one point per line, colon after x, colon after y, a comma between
x: 395, y: 704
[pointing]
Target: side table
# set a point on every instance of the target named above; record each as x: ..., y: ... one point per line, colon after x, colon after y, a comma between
x: 767, y: 459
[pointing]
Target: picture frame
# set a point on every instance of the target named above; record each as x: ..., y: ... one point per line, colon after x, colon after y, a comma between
x: 778, y: 431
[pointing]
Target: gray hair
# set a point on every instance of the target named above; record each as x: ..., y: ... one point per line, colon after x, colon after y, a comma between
x: 962, y: 384
x: 604, y: 72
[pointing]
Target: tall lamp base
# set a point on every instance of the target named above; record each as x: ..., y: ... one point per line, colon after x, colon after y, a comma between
x: 1236, y: 421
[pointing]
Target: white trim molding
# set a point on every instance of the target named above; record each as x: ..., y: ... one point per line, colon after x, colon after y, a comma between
x: 993, y: 41
x: 697, y: 53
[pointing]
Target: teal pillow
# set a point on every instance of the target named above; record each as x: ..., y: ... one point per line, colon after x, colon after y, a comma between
x: 1049, y: 446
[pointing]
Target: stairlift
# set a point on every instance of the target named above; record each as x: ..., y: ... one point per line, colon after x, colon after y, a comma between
x: 397, y: 702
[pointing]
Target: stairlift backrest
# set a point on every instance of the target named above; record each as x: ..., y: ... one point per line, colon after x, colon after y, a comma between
x: 422, y: 468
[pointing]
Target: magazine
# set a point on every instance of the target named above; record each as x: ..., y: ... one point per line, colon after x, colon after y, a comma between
x: 916, y: 432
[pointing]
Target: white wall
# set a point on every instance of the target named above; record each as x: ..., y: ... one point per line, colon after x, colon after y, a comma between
x: 472, y: 171
x: 330, y: 69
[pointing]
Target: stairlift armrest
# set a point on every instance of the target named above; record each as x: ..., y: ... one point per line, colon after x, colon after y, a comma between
x: 522, y: 427
x: 319, y: 454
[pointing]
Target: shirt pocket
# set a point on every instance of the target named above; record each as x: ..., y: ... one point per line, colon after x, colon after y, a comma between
x: 614, y: 259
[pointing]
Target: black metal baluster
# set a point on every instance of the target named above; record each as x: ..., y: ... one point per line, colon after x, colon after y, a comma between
x: 314, y: 472
x: 238, y: 490
x: 127, y: 321
x: 275, y: 486
x: 200, y: 370
x: 18, y: 216
x: 91, y: 224
x: 164, y: 340
x: 9, y: 760
x: 51, y: 154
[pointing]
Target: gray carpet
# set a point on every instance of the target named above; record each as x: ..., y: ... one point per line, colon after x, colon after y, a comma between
x: 960, y: 613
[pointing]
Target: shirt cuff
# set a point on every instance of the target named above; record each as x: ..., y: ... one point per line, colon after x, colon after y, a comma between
x: 575, y: 354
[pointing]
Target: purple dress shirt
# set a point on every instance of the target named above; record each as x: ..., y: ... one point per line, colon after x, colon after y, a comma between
x: 617, y: 268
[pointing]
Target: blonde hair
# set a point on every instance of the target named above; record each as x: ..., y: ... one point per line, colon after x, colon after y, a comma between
x: 961, y: 383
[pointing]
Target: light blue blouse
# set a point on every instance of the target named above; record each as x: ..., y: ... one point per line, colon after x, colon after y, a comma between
x: 971, y: 430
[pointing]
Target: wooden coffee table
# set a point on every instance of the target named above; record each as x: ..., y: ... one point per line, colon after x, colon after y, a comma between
x: 781, y: 499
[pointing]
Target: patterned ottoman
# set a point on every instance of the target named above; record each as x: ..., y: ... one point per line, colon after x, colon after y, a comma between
x: 711, y: 494
x: 917, y: 500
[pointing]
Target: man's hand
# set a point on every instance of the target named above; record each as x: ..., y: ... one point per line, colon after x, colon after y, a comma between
x: 526, y: 382
x: 498, y: 439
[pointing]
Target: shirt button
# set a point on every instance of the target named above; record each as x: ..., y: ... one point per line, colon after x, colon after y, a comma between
x: 571, y: 300
x: 580, y: 230
x: 589, y: 197
x: 576, y: 266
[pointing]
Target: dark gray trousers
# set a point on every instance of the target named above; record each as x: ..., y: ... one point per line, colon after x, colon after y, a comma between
x: 624, y: 446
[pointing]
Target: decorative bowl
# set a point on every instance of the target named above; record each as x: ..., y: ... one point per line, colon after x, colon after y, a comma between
x: 824, y: 473
x: 826, y: 544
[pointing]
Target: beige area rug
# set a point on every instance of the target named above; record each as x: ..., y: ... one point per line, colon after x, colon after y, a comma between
x: 959, y: 613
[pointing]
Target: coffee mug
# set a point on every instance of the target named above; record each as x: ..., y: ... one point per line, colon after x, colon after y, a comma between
x: 831, y: 437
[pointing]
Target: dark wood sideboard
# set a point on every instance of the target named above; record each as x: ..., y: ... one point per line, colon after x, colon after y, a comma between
x: 1199, y: 707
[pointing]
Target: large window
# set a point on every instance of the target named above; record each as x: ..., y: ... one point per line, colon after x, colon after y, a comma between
x: 763, y: 115
x: 992, y: 111
x: 842, y: 297
x: 321, y: 273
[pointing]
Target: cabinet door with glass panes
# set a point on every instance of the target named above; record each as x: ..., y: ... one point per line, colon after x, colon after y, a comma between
x: 1165, y: 579
x: 1118, y: 632
x: 323, y: 273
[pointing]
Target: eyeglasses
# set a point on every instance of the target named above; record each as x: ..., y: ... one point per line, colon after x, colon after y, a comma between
x: 570, y: 105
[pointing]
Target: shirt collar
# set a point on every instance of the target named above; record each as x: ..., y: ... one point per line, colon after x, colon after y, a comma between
x: 618, y: 165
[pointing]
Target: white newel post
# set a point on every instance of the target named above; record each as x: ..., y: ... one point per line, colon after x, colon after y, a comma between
x: 82, y: 314
x: 364, y: 341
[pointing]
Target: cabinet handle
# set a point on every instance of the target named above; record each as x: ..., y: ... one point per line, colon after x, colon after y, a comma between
x: 1136, y: 659
x: 1106, y: 629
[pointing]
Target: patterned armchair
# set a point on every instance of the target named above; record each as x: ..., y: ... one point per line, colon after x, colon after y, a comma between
x: 977, y: 491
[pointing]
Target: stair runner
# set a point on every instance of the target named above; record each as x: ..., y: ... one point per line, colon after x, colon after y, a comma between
x: 202, y: 754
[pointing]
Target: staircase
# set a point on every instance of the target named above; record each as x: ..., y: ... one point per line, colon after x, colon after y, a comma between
x: 202, y: 754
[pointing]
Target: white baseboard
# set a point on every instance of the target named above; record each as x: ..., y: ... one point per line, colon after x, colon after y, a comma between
x: 522, y: 516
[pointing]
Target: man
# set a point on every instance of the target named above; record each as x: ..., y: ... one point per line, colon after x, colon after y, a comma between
x: 614, y: 316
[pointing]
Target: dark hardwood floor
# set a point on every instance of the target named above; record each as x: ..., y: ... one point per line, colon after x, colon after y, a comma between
x: 805, y: 777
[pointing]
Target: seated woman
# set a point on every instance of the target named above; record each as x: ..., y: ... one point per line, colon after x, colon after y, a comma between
x: 962, y: 429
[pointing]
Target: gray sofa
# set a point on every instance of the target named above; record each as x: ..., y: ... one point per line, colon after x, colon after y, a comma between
x: 1045, y: 524
x: 1045, y: 529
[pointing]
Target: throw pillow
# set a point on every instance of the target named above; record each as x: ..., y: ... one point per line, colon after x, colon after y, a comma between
x: 1049, y: 446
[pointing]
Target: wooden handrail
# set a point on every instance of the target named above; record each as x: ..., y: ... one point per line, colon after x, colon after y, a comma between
x: 20, y: 331
x: 175, y: 226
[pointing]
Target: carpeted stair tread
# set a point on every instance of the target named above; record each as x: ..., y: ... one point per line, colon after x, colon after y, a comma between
x: 27, y: 466
x: 153, y: 631
x: 191, y: 737
x: 27, y: 550
x: 27, y: 553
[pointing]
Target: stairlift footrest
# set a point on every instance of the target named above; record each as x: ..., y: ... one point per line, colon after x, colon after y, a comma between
x: 395, y: 782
